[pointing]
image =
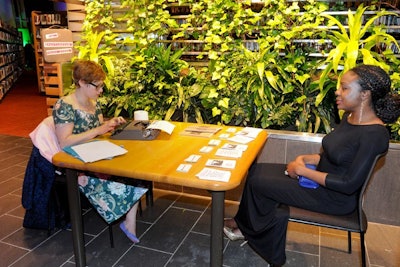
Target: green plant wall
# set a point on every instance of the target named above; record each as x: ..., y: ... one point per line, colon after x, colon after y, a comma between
x: 256, y: 72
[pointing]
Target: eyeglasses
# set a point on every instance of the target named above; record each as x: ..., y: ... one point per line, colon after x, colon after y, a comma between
x: 98, y: 87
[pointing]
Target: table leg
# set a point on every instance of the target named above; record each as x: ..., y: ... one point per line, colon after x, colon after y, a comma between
x: 217, y: 224
x: 76, y: 218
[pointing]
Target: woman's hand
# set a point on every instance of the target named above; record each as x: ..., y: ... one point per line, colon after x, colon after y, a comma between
x: 293, y: 167
x: 110, y: 125
x: 297, y: 167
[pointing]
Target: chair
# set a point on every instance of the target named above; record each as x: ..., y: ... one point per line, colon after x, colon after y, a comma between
x: 355, y: 222
x: 40, y: 167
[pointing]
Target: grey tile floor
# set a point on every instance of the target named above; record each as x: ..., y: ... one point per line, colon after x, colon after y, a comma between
x: 173, y: 232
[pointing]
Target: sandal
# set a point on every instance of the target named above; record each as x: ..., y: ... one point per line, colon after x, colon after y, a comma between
x: 232, y: 235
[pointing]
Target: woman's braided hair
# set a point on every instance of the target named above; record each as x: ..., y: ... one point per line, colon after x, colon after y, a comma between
x: 385, y: 103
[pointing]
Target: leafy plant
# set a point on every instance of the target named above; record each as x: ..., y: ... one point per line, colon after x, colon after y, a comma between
x: 98, y: 39
x: 360, y: 42
x: 157, y: 81
x: 260, y: 72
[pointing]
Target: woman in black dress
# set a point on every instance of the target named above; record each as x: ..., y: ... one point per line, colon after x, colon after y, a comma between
x: 348, y: 152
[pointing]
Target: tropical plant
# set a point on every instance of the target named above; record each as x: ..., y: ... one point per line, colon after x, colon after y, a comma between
x: 259, y: 71
x: 157, y: 81
x: 98, y: 38
x: 260, y: 82
x: 359, y: 42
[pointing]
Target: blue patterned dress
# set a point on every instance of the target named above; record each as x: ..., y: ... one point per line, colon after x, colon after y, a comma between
x: 110, y: 198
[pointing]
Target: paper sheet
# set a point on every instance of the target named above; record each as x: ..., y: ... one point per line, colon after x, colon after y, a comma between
x: 98, y: 150
x: 162, y: 125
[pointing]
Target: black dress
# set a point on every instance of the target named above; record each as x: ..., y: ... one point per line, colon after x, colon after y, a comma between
x: 348, y: 152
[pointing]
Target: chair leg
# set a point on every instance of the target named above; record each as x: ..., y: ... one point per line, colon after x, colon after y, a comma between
x: 49, y: 208
x: 140, y: 207
x: 110, y: 231
x: 363, y: 256
x: 149, y: 194
x: 349, y: 241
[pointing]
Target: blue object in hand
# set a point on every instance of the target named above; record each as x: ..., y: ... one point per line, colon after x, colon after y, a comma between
x: 308, y: 183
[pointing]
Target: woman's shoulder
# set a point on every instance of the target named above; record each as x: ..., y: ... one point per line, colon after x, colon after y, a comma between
x: 64, y: 103
x: 377, y: 129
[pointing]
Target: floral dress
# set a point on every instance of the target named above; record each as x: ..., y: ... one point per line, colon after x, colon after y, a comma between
x: 110, y: 198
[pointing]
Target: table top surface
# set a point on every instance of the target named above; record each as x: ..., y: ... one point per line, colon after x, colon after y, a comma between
x: 157, y: 160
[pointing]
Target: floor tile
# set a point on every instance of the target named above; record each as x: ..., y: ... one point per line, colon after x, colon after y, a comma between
x: 10, y: 185
x: 238, y: 253
x: 52, y: 253
x: 175, y: 231
x: 9, y: 224
x: 139, y: 256
x: 10, y: 254
x: 170, y: 230
x: 194, y: 251
x: 383, y: 245
x: 8, y: 203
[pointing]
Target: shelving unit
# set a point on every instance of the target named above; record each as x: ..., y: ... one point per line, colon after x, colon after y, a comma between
x: 42, y: 21
x: 55, y: 78
x: 11, y: 57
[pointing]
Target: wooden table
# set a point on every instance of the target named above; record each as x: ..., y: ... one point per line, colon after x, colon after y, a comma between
x: 157, y: 161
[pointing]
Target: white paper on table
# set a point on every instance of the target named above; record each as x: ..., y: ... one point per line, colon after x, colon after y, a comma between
x: 98, y: 150
x: 229, y: 153
x: 214, y: 175
x: 234, y: 147
x: 193, y: 158
x: 249, y: 132
x: 221, y: 163
x: 241, y: 139
x: 162, y: 125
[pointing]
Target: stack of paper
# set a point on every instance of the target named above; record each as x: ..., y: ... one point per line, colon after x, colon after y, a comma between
x: 200, y: 131
x: 95, y: 150
x: 246, y: 135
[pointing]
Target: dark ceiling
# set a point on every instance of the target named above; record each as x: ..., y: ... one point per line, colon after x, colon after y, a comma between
x: 38, y: 5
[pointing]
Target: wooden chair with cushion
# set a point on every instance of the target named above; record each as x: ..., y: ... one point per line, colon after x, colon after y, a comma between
x: 355, y: 222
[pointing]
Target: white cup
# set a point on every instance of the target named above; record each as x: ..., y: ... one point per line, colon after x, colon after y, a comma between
x: 141, y: 115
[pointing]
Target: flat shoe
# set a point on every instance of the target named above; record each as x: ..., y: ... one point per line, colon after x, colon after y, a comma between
x: 131, y: 236
x: 232, y: 235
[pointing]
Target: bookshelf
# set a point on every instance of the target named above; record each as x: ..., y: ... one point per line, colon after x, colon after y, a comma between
x: 11, y: 57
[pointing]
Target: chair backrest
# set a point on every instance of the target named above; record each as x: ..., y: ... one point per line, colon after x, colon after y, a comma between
x: 354, y: 222
x: 44, y: 138
x: 361, y: 215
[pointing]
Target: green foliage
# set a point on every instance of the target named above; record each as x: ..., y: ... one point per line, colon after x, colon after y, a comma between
x: 261, y: 70
x: 360, y: 42
x: 264, y: 82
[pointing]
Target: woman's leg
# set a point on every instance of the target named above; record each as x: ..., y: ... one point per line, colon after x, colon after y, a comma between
x: 261, y: 219
x: 130, y: 219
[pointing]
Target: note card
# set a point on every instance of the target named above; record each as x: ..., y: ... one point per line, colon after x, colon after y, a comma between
x: 214, y: 175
